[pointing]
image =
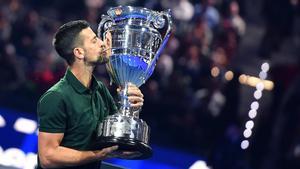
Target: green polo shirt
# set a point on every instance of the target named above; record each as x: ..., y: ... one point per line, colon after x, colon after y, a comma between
x: 70, y: 108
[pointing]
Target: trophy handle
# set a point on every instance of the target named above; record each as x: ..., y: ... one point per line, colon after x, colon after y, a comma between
x: 166, y: 14
x: 105, y: 19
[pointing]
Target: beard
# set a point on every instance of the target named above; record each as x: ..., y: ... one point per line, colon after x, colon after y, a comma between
x: 99, y: 61
x: 103, y: 58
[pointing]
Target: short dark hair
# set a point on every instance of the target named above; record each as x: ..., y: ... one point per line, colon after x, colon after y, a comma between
x: 67, y: 37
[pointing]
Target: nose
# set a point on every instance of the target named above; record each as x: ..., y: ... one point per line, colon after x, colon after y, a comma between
x: 101, y: 43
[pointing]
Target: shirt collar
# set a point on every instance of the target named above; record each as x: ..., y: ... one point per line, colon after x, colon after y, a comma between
x: 77, y: 85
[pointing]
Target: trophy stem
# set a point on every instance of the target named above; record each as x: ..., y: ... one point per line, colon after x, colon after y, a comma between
x: 125, y: 105
x: 125, y: 108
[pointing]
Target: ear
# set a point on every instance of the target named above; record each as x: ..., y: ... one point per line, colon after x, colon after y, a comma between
x: 78, y: 53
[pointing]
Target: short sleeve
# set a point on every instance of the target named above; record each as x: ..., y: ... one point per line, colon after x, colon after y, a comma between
x: 51, y: 113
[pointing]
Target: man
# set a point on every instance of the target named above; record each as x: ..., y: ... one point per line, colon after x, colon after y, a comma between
x: 70, y: 111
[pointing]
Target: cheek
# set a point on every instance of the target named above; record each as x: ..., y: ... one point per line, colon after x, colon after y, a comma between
x: 93, y: 50
x: 96, y: 49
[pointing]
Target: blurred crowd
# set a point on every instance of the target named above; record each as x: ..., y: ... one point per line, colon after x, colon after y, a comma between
x: 187, y: 105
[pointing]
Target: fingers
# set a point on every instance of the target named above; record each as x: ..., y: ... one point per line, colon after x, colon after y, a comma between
x: 136, y: 101
x: 111, y: 152
x: 135, y: 96
x: 114, y: 154
x: 109, y: 149
x: 130, y: 154
x: 124, y: 154
x: 104, y: 153
x: 134, y: 91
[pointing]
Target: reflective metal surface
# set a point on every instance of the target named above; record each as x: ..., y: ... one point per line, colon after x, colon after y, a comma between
x: 138, y: 37
x: 126, y: 127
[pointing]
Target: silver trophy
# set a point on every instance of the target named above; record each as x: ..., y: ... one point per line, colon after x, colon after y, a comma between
x: 138, y: 37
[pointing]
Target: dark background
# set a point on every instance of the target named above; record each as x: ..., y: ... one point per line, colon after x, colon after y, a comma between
x: 187, y: 108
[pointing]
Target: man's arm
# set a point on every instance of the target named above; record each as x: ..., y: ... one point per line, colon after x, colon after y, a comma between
x: 52, y: 155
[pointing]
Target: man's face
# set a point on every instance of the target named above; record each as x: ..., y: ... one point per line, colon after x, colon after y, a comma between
x: 94, y: 48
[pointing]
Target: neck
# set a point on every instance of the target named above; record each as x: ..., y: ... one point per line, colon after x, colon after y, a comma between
x: 83, y: 73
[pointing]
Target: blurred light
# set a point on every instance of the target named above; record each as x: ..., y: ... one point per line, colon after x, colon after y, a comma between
x: 31, y: 161
x: 215, y: 71
x: 262, y: 75
x: 253, y: 81
x: 260, y: 86
x: 16, y: 158
x: 297, y: 151
x: 245, y: 144
x: 254, y: 105
x: 184, y: 11
x: 294, y: 2
x: 13, y: 157
x: 229, y: 75
x: 243, y: 79
x: 26, y: 126
x: 265, y: 67
x: 249, y: 124
x: 199, y: 165
x: 257, y: 94
x: 247, y: 133
x: 2, y: 121
x: 269, y: 85
x: 94, y: 4
x: 252, y: 114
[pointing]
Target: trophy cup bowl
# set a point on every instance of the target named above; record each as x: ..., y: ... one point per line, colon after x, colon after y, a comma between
x: 138, y: 37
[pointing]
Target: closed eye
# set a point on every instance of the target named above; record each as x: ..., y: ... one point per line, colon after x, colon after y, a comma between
x: 94, y: 40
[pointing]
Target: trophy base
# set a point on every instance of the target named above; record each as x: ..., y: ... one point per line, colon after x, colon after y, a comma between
x: 129, y: 133
x: 128, y: 149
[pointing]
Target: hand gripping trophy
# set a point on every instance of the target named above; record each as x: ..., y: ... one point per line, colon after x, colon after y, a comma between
x: 138, y: 37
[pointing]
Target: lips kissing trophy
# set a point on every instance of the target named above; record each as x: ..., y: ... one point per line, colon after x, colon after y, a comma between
x: 138, y: 37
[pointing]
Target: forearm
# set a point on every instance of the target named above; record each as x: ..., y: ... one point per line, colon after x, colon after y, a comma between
x: 64, y: 157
